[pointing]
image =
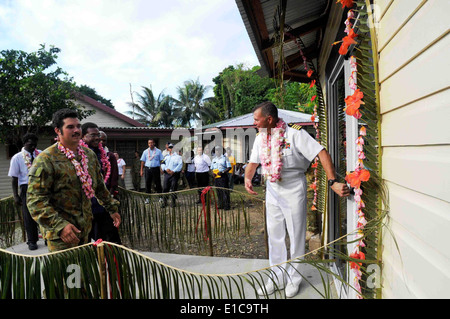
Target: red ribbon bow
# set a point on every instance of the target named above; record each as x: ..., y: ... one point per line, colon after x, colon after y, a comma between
x: 202, y: 197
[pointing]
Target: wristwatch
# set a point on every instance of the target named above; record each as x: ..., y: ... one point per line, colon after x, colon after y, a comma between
x: 332, y: 181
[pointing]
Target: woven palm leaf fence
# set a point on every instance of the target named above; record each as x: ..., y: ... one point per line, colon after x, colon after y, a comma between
x: 107, y: 270
x: 12, y: 230
x: 188, y: 221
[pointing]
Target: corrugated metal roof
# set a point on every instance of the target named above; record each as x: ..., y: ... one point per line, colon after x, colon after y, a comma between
x: 247, y: 119
x: 298, y: 13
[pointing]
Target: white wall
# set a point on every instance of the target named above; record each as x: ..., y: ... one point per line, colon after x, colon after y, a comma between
x: 414, y: 45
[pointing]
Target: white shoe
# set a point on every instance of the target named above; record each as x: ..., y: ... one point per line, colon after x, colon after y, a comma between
x: 292, y: 290
x: 269, y: 289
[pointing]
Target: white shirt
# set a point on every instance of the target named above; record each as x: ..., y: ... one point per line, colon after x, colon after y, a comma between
x: 18, y: 168
x: 121, y: 163
x: 202, y: 163
x: 299, y: 150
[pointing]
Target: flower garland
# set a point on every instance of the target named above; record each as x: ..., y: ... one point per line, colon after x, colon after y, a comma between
x: 316, y: 160
x: 272, y: 148
x: 80, y: 169
x: 353, y: 103
x: 106, y: 165
x: 27, y: 158
x: 309, y: 73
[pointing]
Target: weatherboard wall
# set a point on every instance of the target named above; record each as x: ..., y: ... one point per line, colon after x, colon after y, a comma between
x: 413, y: 44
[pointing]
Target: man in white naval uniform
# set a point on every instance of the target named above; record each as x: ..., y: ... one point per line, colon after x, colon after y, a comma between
x: 286, y: 197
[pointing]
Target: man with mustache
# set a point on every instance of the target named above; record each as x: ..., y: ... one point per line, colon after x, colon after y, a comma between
x: 62, y: 181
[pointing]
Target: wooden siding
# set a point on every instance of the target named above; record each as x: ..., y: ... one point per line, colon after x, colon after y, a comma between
x: 413, y: 44
x: 102, y: 118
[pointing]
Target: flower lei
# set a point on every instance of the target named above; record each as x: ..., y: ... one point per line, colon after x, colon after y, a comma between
x: 353, y: 103
x: 27, y: 158
x: 81, y: 169
x: 272, y: 148
x: 106, y: 165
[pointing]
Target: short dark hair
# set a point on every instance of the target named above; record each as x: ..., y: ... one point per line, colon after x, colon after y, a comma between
x: 86, y: 126
x: 267, y: 108
x: 60, y: 115
x: 30, y: 136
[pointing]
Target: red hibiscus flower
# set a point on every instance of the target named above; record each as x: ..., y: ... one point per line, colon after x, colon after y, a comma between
x: 347, y: 41
x: 358, y: 176
x: 360, y: 255
x: 346, y: 3
x: 353, y: 103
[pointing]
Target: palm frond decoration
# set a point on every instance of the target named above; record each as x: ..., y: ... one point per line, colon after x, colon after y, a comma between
x: 183, y: 228
x: 111, y: 271
x: 11, y: 221
x: 366, y: 54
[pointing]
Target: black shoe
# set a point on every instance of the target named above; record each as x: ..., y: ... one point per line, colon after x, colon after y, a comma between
x: 32, y: 246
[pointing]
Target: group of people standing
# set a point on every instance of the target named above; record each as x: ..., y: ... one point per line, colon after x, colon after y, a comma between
x: 69, y: 188
x: 199, y: 168
x: 53, y: 184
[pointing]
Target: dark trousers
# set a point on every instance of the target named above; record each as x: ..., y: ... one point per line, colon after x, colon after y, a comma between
x: 202, y: 181
x: 152, y: 174
x: 222, y: 194
x: 190, y: 176
x: 31, y: 227
x: 103, y: 225
x: 171, y: 185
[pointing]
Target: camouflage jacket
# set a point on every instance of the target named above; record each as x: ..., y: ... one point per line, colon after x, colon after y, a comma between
x: 55, y: 196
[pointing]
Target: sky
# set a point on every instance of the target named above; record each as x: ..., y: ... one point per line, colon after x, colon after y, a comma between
x: 110, y: 44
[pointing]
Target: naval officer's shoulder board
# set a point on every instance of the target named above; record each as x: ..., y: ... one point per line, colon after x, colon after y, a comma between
x: 295, y: 126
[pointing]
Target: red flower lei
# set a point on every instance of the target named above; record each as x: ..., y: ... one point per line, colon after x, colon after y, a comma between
x: 81, y: 169
x: 106, y: 165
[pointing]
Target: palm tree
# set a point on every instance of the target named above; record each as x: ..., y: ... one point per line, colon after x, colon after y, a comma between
x: 153, y: 111
x: 193, y: 105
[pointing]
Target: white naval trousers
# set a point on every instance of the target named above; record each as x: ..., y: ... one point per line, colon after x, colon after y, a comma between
x: 286, y: 210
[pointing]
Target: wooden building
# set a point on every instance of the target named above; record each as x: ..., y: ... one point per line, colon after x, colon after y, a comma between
x: 408, y: 42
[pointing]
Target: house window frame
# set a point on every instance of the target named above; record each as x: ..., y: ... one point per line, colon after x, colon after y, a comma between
x: 342, y: 64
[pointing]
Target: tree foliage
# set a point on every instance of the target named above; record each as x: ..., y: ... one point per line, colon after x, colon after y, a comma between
x: 32, y: 88
x: 296, y: 97
x: 91, y: 92
x: 190, y: 106
x: 152, y: 110
x: 239, y: 89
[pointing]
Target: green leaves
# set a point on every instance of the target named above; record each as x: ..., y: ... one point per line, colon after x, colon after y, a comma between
x: 32, y: 89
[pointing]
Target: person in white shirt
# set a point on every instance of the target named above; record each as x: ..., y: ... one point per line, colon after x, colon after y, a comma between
x: 18, y: 170
x: 284, y: 169
x: 202, y: 163
x: 122, y: 167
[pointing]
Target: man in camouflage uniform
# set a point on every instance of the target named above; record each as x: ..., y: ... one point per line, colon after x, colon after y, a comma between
x: 56, y: 199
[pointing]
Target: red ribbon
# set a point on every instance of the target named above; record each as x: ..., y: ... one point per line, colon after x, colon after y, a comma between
x: 96, y: 243
x: 202, y: 197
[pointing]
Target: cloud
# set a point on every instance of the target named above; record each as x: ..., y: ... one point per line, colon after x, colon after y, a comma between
x: 108, y: 44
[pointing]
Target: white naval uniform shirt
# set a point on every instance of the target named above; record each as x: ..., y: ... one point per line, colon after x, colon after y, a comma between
x: 286, y: 199
x: 299, y: 150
